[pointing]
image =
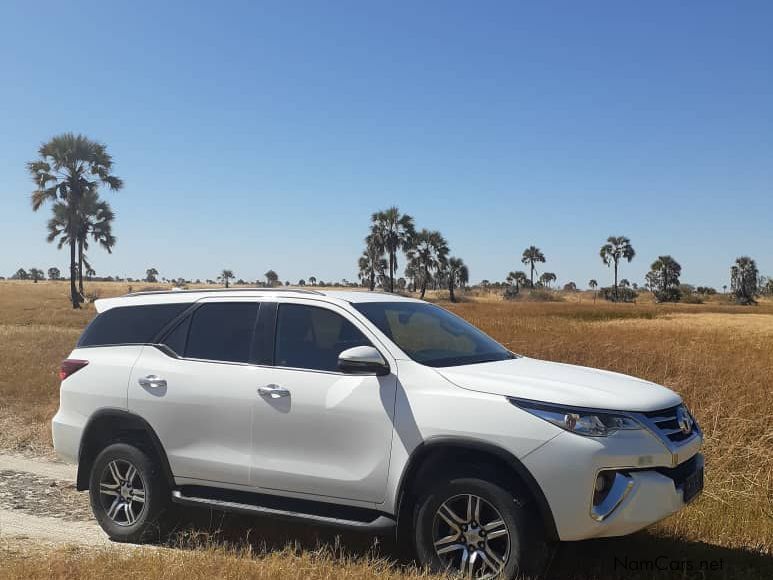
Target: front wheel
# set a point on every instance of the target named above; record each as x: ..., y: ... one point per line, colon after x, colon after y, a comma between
x: 129, y: 494
x: 476, y: 529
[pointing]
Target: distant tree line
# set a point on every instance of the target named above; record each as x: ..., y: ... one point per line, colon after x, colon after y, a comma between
x: 71, y: 169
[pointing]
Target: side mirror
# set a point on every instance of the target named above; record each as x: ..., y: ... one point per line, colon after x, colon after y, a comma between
x: 362, y: 360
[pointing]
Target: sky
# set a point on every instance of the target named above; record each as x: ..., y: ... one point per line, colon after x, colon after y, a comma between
x: 257, y: 135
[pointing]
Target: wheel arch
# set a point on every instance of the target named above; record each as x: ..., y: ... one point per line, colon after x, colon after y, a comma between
x: 108, y: 426
x: 435, y: 452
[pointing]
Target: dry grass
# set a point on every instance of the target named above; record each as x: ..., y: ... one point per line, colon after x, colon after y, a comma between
x: 202, y: 564
x: 719, y: 357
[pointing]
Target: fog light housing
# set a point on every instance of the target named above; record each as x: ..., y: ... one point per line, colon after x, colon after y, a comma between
x: 603, y: 484
x: 609, y: 491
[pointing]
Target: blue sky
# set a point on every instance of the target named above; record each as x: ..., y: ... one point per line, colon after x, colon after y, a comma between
x: 257, y: 135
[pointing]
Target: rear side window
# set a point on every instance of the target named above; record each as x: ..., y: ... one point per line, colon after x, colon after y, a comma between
x: 129, y: 324
x: 222, y: 331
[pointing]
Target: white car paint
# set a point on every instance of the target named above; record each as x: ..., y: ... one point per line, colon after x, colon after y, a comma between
x: 348, y: 439
x: 564, y: 384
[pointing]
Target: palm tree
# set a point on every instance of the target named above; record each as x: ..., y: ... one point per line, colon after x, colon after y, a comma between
x: 547, y: 278
x: 312, y: 280
x: 95, y: 218
x: 69, y: 166
x: 744, y: 280
x: 663, y: 279
x: 151, y: 275
x: 616, y: 248
x: 593, y: 285
x: 530, y: 257
x: 428, y: 255
x: 271, y: 278
x: 371, y: 263
x: 394, y: 232
x: 225, y: 276
x: 458, y: 275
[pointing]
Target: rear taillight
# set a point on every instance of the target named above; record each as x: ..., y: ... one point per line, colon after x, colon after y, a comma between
x: 70, y: 366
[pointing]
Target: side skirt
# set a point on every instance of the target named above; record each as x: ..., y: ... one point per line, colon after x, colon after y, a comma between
x: 316, y: 513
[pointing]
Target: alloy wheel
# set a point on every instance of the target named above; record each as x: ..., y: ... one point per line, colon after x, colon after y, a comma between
x: 470, y: 537
x: 122, y: 492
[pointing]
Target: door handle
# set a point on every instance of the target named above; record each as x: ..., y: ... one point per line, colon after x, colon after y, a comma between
x: 152, y: 381
x: 273, y: 391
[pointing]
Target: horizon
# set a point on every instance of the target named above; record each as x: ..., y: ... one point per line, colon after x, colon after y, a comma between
x: 263, y: 137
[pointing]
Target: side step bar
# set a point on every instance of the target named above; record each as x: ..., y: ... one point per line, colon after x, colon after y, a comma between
x: 381, y: 524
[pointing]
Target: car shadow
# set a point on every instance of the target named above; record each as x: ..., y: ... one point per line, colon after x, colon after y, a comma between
x: 641, y: 556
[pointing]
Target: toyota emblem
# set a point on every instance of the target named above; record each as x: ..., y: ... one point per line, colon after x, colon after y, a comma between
x: 684, y: 420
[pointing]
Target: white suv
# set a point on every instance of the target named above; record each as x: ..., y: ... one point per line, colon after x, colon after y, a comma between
x: 365, y: 411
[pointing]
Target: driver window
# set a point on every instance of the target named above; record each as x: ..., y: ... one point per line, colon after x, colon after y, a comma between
x: 309, y: 337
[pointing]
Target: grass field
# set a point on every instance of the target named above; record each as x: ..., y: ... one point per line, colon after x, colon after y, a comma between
x: 718, y: 357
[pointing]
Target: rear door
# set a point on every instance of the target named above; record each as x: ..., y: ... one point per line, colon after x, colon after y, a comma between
x: 325, y: 433
x: 197, y: 390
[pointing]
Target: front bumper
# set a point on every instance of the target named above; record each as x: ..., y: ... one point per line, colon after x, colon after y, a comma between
x: 651, y: 488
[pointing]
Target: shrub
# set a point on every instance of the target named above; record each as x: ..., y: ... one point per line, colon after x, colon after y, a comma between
x: 692, y: 298
x: 625, y: 294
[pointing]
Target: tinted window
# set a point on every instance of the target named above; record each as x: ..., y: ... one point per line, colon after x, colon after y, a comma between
x: 177, y: 338
x: 222, y: 331
x: 312, y: 338
x: 431, y: 335
x: 129, y: 324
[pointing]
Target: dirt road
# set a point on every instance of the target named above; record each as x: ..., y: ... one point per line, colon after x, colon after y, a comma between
x: 39, y: 503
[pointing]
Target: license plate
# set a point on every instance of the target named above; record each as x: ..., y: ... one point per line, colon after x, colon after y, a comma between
x: 692, y: 486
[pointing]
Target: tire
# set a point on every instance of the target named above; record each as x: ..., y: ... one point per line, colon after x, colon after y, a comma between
x: 129, y: 494
x: 504, y: 539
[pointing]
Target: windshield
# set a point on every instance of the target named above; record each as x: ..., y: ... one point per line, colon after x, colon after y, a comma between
x: 431, y: 335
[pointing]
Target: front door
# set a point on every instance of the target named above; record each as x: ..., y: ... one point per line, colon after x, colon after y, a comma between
x: 316, y: 430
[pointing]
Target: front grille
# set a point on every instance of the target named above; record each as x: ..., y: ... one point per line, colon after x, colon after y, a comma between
x: 666, y: 422
x: 682, y: 471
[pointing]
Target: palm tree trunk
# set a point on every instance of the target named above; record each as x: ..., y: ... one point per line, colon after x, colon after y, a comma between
x: 372, y: 280
x: 391, y: 272
x: 532, y: 275
x: 617, y: 298
x: 73, y: 290
x: 80, y: 270
x: 451, y: 288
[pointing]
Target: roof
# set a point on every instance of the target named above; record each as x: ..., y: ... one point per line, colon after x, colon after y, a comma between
x: 178, y: 296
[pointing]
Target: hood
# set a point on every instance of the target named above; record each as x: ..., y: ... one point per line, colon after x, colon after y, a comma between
x: 563, y: 384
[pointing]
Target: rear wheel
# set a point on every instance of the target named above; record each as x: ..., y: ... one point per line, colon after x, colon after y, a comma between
x: 477, y: 530
x: 129, y: 494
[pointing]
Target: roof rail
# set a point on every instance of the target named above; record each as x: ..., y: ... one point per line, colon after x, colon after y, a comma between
x: 214, y: 290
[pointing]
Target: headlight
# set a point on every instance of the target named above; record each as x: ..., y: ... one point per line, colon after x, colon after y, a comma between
x: 580, y: 421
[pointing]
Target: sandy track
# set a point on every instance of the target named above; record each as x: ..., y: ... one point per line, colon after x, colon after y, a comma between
x: 41, y: 467
x: 16, y: 525
x: 25, y: 508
